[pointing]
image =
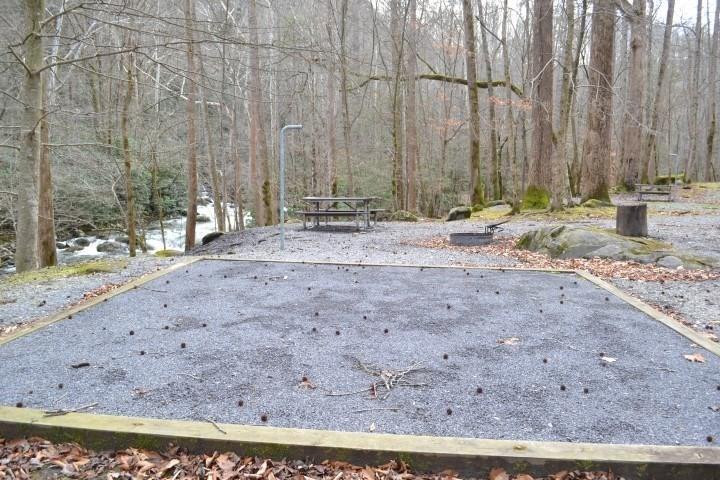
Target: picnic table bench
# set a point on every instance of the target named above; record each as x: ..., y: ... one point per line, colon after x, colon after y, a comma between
x: 653, y: 190
x: 328, y: 208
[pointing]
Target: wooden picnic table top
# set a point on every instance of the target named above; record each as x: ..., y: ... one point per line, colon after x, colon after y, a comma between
x: 339, y: 199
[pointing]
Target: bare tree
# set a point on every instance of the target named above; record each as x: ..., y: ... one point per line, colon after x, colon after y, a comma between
x: 192, y: 188
x: 494, y: 155
x: 632, y: 131
x: 649, y: 161
x: 691, y: 161
x: 127, y: 155
x: 477, y: 195
x: 540, y: 182
x: 595, y: 183
x: 410, y: 108
x: 26, y: 251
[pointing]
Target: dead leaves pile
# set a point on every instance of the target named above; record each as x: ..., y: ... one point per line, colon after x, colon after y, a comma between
x: 604, y: 268
x: 24, y: 459
x: 96, y: 292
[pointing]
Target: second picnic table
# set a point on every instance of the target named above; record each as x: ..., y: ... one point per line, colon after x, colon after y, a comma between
x: 336, y: 207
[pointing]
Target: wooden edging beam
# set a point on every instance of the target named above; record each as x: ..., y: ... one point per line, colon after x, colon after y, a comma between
x: 666, y: 320
x: 67, y: 312
x: 466, y: 456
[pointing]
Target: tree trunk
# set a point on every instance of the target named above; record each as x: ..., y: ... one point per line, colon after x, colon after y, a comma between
x: 559, y: 157
x: 411, y: 140
x: 691, y: 160
x: 712, y: 80
x: 259, y: 162
x: 540, y: 181
x: 477, y: 195
x: 344, y: 96
x: 127, y: 158
x: 510, y: 119
x: 635, y: 101
x: 329, y: 186
x: 598, y: 136
x: 212, y: 159
x: 651, y: 139
x: 237, y: 185
x: 494, y: 156
x: 192, y: 186
x: 47, y: 252
x: 398, y: 180
x: 26, y: 233
x: 631, y: 220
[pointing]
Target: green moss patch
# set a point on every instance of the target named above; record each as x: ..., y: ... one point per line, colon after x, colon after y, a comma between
x: 536, y: 198
x: 168, y: 253
x: 64, y: 271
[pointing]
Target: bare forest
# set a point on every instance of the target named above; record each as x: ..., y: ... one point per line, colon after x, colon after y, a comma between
x: 120, y: 114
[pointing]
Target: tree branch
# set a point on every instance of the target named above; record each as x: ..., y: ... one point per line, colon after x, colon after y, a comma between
x: 443, y: 78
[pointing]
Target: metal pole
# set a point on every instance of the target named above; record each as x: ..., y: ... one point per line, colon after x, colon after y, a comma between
x: 282, y: 181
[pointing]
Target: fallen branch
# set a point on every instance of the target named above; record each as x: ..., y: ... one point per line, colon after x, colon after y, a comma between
x: 210, y: 420
x: 56, y: 413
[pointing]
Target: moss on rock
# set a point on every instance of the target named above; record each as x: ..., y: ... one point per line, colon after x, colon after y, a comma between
x: 168, y: 253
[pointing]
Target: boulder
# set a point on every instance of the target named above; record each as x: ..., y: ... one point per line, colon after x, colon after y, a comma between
x: 202, y: 201
x: 111, y: 247
x: 671, y: 261
x: 210, y: 237
x: 595, y: 203
x: 587, y: 242
x: 123, y: 239
x: 458, y: 213
x: 203, y: 219
x: 81, y: 242
x: 61, y: 245
x: 496, y: 203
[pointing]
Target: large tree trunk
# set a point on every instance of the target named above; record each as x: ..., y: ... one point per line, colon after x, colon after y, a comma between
x: 710, y: 174
x: 598, y: 136
x: 477, y: 195
x: 494, y: 156
x: 560, y: 178
x: 260, y: 168
x: 127, y: 158
x: 540, y: 181
x: 691, y: 160
x: 649, y: 161
x: 634, y: 117
x: 410, y: 109
x: 192, y: 186
x: 26, y: 233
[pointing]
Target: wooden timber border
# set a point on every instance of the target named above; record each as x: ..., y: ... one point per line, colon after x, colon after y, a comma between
x: 465, y: 456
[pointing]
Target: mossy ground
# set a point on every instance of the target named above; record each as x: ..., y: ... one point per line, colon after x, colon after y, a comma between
x: 63, y: 271
x: 168, y: 253
x: 566, y: 215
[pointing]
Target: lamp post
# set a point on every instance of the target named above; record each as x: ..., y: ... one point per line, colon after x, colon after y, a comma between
x: 282, y: 181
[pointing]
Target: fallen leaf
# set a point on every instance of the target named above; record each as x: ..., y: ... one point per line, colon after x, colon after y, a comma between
x: 608, y: 359
x: 372, y: 427
x: 695, y: 358
x: 524, y: 476
x: 509, y: 341
x: 307, y: 384
x: 498, y: 474
x: 715, y: 408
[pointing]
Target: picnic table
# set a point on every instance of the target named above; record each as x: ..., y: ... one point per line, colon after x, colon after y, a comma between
x: 327, y: 208
x: 643, y: 190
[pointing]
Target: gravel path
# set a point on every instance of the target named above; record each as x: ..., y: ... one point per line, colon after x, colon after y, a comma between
x: 533, y: 342
x: 30, y: 301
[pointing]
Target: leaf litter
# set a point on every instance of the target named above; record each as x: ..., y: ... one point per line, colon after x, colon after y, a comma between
x: 39, y: 458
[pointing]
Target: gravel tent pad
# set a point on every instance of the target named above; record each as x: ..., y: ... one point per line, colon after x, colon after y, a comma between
x: 487, y: 354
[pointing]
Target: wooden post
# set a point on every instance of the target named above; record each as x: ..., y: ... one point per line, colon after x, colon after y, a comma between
x: 631, y: 220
